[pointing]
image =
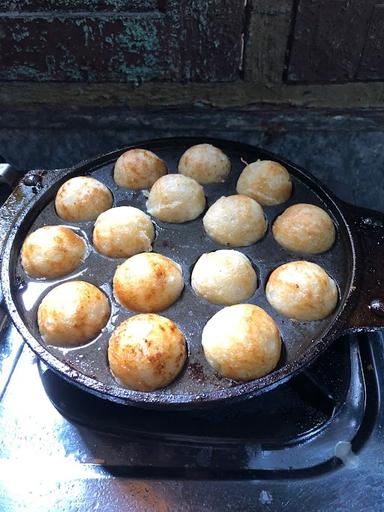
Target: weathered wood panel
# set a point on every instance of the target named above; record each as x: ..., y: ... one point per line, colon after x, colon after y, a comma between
x: 186, y: 40
x: 79, y: 48
x: 213, y: 39
x: 266, y: 43
x: 79, y: 5
x: 372, y: 61
x: 44, y: 96
x: 328, y: 40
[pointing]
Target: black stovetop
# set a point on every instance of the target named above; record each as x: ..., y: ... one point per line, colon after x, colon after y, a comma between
x: 314, y: 443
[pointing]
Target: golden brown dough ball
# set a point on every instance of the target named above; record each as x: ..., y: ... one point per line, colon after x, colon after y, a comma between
x: 304, y: 228
x: 81, y: 199
x: 138, y: 168
x: 52, y: 251
x: 72, y: 314
x: 224, y: 277
x: 123, y: 231
x: 265, y: 181
x: 302, y: 290
x: 176, y: 198
x: 235, y: 221
x: 242, y: 342
x: 146, y: 352
x: 205, y: 163
x: 148, y: 282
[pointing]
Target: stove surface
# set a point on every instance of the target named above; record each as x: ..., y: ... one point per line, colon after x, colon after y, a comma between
x: 314, y: 443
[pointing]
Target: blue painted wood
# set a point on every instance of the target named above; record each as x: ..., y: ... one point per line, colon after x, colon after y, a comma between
x: 171, y: 40
x: 79, y: 5
x: 84, y: 48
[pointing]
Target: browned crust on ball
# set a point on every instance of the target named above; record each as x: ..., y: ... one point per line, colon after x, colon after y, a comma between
x: 66, y: 242
x: 304, y: 228
x: 302, y: 290
x: 266, y: 181
x: 241, y: 221
x: 150, y: 363
x: 152, y: 294
x: 138, y: 169
x: 242, y: 342
x: 60, y: 330
x: 89, y: 203
x: 205, y: 163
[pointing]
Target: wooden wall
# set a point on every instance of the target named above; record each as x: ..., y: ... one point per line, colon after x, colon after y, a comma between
x: 153, y: 54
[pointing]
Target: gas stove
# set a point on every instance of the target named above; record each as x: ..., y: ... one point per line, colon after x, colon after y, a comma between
x: 314, y: 443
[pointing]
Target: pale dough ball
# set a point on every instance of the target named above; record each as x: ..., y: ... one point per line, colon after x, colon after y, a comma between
x: 235, y: 221
x: 138, y: 168
x: 205, y: 163
x: 72, y: 314
x: 242, y: 342
x: 304, y: 228
x: 82, y: 198
x: 302, y: 290
x: 123, y: 231
x: 176, y: 198
x: 148, y: 282
x: 52, y: 251
x: 224, y: 277
x: 265, y: 181
x: 146, y: 352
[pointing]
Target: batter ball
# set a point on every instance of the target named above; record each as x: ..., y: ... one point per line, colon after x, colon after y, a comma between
x: 265, y: 181
x: 304, y: 228
x: 146, y: 352
x: 148, y: 282
x: 176, y: 198
x: 72, y: 314
x: 81, y: 199
x: 138, y: 168
x: 242, y: 342
x: 302, y: 290
x: 235, y: 221
x: 205, y: 163
x: 52, y: 251
x: 224, y: 277
x: 123, y: 231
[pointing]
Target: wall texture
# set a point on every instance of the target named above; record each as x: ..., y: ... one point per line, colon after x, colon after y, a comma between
x: 191, y: 53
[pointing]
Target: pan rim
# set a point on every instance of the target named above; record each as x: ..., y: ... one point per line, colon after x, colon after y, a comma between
x: 122, y: 395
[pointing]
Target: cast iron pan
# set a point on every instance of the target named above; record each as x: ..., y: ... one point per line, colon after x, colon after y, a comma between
x: 356, y: 262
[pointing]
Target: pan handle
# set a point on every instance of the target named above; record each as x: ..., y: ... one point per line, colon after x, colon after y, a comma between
x: 368, y: 226
x: 9, y: 175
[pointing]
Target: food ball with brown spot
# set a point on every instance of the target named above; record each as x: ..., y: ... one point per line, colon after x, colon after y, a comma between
x: 82, y: 198
x: 235, y: 221
x: 205, y: 163
x: 267, y: 182
x: 72, y: 314
x: 138, y: 169
x: 224, y: 277
x: 123, y: 231
x: 176, y: 198
x: 242, y: 342
x: 304, y: 228
x: 146, y: 352
x: 52, y: 251
x: 148, y: 282
x: 302, y: 290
